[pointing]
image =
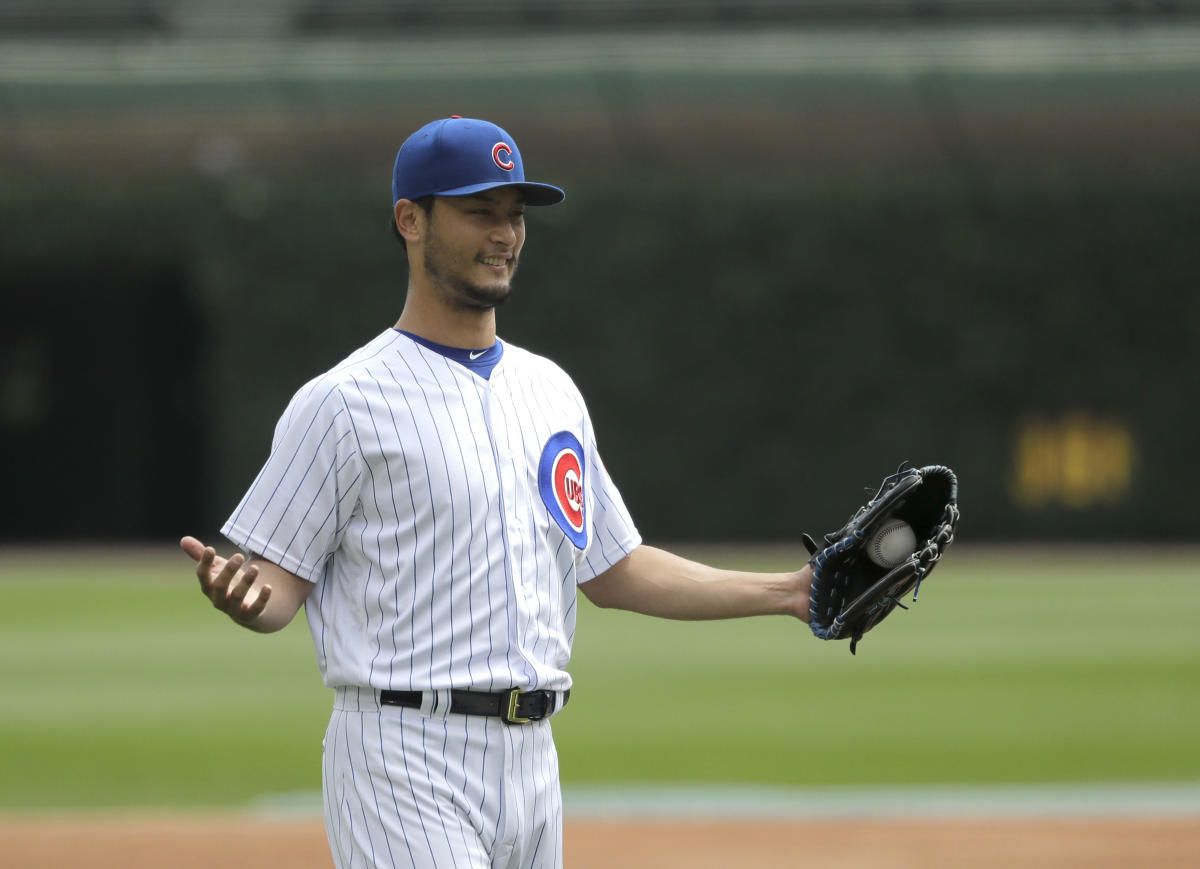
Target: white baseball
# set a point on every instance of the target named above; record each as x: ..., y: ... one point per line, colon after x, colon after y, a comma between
x: 893, y: 543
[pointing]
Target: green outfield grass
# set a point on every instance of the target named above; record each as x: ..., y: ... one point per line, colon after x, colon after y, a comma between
x: 121, y: 687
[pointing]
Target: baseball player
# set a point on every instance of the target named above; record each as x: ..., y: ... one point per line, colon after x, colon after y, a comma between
x: 434, y: 501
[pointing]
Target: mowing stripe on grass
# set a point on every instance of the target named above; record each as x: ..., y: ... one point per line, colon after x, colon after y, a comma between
x: 1162, y: 800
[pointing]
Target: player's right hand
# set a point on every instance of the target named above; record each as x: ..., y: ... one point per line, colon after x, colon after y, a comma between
x: 227, y: 582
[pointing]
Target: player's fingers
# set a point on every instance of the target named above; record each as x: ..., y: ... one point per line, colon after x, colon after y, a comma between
x: 204, y: 568
x: 238, y: 589
x: 218, y: 590
x: 260, y: 603
x: 193, y: 547
x: 244, y: 612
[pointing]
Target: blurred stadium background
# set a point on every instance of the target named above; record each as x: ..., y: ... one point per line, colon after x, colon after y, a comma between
x: 803, y: 241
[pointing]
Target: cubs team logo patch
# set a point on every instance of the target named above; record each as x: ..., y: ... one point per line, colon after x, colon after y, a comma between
x: 560, y: 480
x: 502, y: 155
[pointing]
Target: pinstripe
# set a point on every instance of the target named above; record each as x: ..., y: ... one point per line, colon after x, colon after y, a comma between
x: 483, y: 791
x: 354, y: 781
x: 425, y: 778
x: 518, y: 452
x: 543, y: 785
x: 287, y: 507
x: 469, y: 831
x: 546, y: 791
x: 551, y: 601
x: 329, y: 515
x: 598, y: 503
x: 592, y: 569
x: 433, y: 567
x: 366, y: 609
x: 453, y: 511
x: 510, y: 570
x: 340, y: 848
x: 331, y: 793
x: 353, y: 484
x: 416, y: 542
x: 285, y: 423
x: 603, y: 504
x: 391, y: 783
x: 557, y: 820
x: 351, y: 487
x: 382, y: 746
x: 348, y: 813
x: 538, y: 802
x: 487, y: 550
x: 318, y: 629
x: 510, y: 590
x: 530, y: 433
x: 506, y: 801
x: 387, y: 778
x: 528, y: 791
x: 284, y: 473
x: 452, y: 806
x: 458, y: 439
x: 406, y: 487
x: 569, y: 578
x: 380, y: 528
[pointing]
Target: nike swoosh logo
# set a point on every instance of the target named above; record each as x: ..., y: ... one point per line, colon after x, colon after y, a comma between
x: 476, y: 354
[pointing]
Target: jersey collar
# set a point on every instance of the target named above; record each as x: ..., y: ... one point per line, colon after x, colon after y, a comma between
x: 480, y: 361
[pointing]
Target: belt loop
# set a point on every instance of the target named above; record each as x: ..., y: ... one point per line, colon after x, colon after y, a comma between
x: 435, y: 704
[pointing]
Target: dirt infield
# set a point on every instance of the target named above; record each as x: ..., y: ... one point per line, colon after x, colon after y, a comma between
x: 201, y: 842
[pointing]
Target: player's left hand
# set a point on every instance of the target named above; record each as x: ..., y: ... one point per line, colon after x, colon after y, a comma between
x: 852, y: 590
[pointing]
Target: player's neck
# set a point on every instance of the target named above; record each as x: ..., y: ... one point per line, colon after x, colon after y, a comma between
x: 468, y: 329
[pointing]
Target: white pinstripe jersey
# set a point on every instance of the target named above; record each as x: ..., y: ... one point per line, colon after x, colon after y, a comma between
x: 445, y: 517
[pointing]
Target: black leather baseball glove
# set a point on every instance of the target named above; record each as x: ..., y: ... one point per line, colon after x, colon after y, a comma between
x: 850, y: 592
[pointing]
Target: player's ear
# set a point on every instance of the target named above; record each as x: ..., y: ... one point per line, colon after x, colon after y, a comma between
x: 410, y: 220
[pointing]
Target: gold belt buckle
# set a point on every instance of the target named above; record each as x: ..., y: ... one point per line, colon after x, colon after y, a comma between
x: 511, y: 716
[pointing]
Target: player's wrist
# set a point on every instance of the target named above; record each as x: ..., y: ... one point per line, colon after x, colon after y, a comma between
x: 794, y: 593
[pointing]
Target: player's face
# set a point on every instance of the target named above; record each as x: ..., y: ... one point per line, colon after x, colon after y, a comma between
x: 472, y: 246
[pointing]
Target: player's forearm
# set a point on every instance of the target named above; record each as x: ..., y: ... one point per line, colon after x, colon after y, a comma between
x: 658, y: 583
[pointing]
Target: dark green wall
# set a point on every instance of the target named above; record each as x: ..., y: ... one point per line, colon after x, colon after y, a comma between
x: 751, y: 356
x: 772, y: 286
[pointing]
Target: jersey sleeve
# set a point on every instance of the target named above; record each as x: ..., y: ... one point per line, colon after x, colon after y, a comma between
x: 613, y: 533
x: 297, y: 509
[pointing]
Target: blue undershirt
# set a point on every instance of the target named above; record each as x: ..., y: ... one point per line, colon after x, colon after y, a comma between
x: 480, y: 361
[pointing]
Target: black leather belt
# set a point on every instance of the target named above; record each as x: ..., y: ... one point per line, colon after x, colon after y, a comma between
x: 512, y: 707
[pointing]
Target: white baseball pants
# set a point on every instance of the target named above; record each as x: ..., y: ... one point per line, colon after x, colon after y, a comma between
x: 406, y: 788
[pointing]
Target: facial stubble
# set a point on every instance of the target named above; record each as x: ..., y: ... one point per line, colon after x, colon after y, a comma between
x: 458, y: 289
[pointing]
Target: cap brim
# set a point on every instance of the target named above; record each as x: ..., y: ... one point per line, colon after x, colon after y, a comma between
x: 535, y: 194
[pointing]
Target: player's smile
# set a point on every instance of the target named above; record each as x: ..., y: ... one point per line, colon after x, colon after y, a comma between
x: 497, y: 263
x: 493, y: 225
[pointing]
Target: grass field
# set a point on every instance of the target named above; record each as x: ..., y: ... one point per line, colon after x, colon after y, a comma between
x: 121, y: 687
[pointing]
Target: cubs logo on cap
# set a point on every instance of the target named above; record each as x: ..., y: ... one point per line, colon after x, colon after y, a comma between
x: 501, y: 152
x: 458, y: 156
x: 561, y: 483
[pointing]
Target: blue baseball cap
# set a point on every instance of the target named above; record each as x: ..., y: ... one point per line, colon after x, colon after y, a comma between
x: 459, y: 156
